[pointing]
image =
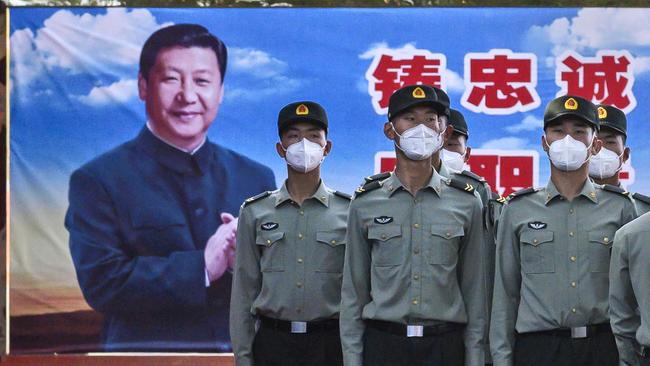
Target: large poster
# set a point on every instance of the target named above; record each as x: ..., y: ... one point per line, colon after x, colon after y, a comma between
x: 74, y: 95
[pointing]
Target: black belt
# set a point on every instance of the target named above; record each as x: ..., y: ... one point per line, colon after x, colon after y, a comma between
x: 642, y: 351
x: 576, y: 332
x: 298, y: 327
x: 414, y: 330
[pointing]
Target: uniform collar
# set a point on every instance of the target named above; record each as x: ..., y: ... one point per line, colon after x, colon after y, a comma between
x: 321, y: 195
x: 588, y: 190
x: 392, y: 184
x: 173, y: 158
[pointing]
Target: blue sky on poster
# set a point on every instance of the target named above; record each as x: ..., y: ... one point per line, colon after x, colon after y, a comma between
x: 74, y: 72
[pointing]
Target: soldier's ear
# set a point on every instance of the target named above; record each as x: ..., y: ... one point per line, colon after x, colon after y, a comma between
x: 328, y: 148
x: 449, y: 130
x: 544, y: 143
x: 280, y: 150
x: 626, y: 154
x: 468, y: 153
x: 597, y: 145
x: 388, y: 131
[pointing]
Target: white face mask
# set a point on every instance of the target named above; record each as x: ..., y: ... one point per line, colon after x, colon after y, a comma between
x: 304, y: 156
x: 419, y: 142
x: 453, y: 160
x: 605, y: 164
x: 568, y: 154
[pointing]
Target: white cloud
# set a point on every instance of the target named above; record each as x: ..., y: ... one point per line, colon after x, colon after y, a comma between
x: 529, y: 123
x: 119, y: 92
x: 510, y: 143
x: 381, y: 48
x: 265, y: 88
x: 453, y: 81
x: 102, y: 43
x: 255, y: 62
x: 590, y: 30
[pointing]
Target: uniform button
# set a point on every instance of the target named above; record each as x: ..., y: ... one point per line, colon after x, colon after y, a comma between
x: 573, y: 258
x: 534, y: 241
x: 301, y: 212
x: 571, y: 211
x: 416, y: 225
x: 606, y: 239
x: 574, y: 310
x: 299, y: 235
x: 199, y: 211
x: 333, y: 241
x: 573, y: 284
x: 415, y: 301
x: 570, y: 233
x: 447, y: 234
x: 383, y: 236
x: 300, y: 260
x: 416, y: 251
x: 268, y: 241
x: 416, y: 277
x: 298, y: 284
x: 416, y: 200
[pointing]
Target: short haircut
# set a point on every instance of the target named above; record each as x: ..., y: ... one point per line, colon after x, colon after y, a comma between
x: 181, y: 35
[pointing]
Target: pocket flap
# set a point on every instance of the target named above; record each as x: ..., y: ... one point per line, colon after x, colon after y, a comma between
x: 268, y: 239
x: 384, y: 232
x: 536, y: 237
x: 447, y: 231
x: 332, y: 238
x: 600, y: 237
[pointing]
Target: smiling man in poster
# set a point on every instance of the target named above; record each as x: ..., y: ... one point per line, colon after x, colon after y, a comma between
x: 152, y: 232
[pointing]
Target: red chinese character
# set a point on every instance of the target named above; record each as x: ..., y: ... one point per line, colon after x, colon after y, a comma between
x: 606, y: 78
x: 500, y: 82
x: 515, y: 173
x: 389, y: 72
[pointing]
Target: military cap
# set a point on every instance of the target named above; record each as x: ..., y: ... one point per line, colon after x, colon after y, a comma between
x: 413, y: 95
x: 444, y: 99
x: 304, y: 111
x: 569, y: 105
x: 457, y: 121
x: 613, y: 118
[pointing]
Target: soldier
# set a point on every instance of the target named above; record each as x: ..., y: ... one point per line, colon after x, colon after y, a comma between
x: 289, y: 263
x: 604, y: 167
x: 413, y: 287
x: 552, y: 260
x: 454, y: 156
x: 437, y: 157
x: 629, y: 294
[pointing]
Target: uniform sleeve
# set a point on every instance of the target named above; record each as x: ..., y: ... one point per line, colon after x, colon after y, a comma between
x: 114, y: 280
x: 472, y: 286
x: 622, y: 302
x: 355, y: 292
x: 246, y: 285
x: 507, y: 281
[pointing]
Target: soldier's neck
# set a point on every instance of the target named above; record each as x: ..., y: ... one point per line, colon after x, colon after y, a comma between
x: 414, y: 174
x: 436, y: 162
x: 569, y: 184
x: 613, y: 180
x: 302, y: 185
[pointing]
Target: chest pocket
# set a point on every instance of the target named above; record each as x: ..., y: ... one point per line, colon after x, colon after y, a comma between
x: 158, y: 232
x: 537, y: 251
x: 600, y: 246
x: 273, y: 250
x: 387, y: 244
x: 329, y: 253
x: 444, y: 245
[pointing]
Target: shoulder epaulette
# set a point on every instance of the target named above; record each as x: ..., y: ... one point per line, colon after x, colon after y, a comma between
x: 497, y: 198
x: 256, y: 198
x: 521, y: 193
x: 615, y: 189
x: 369, y: 186
x: 641, y: 197
x: 380, y: 176
x: 342, y: 195
x: 465, y: 187
x: 472, y: 175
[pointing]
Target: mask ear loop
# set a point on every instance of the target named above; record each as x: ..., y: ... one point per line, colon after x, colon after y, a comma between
x: 400, y: 137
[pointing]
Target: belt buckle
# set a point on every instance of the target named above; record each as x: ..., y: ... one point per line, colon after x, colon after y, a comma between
x: 415, y: 331
x: 579, y: 332
x: 298, y: 327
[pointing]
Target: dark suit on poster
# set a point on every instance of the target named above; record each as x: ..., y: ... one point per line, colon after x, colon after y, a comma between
x: 139, y: 218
